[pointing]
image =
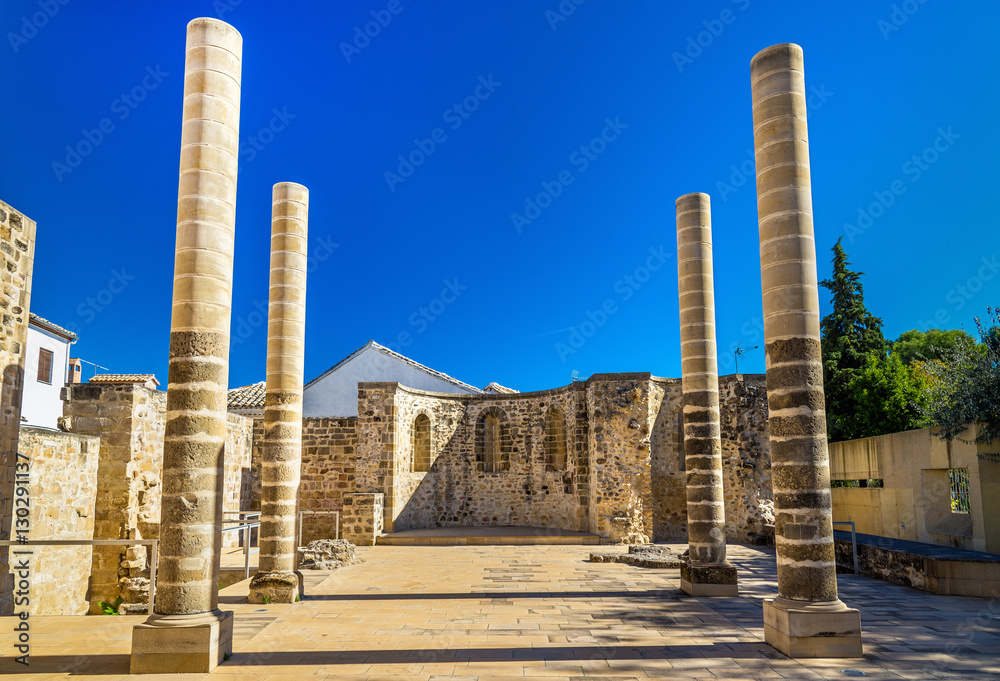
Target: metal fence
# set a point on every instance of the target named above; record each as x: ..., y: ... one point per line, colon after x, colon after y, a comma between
x: 854, y: 541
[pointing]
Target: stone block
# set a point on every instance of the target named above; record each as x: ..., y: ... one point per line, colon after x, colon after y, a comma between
x: 709, y: 580
x: 177, y: 644
x: 801, y: 630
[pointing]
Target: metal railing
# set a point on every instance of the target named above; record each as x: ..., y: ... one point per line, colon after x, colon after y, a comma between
x: 854, y: 541
x: 155, y: 543
x: 336, y: 524
x: 247, y: 523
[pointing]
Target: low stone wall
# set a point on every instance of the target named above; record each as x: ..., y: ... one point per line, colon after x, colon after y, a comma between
x: 927, y: 567
x: 238, y: 483
x: 363, y: 514
x: 62, y: 486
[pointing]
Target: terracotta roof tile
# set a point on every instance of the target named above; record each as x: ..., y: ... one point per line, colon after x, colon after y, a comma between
x: 247, y: 397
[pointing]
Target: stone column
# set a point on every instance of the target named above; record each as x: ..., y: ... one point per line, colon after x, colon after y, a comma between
x: 807, y: 619
x: 706, y: 573
x: 188, y: 633
x: 276, y: 578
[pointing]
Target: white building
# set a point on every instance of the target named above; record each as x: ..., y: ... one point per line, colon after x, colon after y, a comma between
x: 46, y: 371
x: 334, y: 393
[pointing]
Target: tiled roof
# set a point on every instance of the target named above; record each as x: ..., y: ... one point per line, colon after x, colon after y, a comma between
x: 247, y: 397
x: 495, y: 387
x: 49, y: 326
x: 124, y: 378
x: 395, y: 355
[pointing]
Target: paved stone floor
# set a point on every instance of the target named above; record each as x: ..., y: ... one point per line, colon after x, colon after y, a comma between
x: 499, y: 612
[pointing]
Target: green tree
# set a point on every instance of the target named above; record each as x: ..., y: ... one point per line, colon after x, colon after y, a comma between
x: 932, y: 344
x: 887, y: 396
x: 965, y: 385
x: 850, y: 334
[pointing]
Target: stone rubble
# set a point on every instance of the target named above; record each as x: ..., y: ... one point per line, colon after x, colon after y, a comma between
x: 328, y: 554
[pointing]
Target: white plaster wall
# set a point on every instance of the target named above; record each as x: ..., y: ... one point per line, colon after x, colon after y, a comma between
x: 41, y: 405
x: 336, y: 395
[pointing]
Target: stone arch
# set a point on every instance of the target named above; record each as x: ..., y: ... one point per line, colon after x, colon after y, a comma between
x: 420, y: 444
x: 493, y: 443
x: 554, y: 439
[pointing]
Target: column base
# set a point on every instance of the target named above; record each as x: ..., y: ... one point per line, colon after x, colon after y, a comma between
x: 276, y: 587
x: 709, y: 580
x: 806, y: 629
x: 178, y: 644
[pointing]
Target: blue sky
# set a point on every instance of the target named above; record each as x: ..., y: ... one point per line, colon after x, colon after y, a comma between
x: 611, y: 111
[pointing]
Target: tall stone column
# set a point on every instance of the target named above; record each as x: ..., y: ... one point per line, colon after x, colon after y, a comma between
x: 706, y: 573
x: 188, y: 633
x: 276, y: 578
x: 807, y: 619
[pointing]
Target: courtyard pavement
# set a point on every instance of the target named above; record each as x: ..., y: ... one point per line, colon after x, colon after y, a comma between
x: 510, y: 612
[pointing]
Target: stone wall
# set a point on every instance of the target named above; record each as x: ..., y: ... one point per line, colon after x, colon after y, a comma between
x: 363, y: 515
x: 667, y: 463
x: 620, y: 472
x: 238, y: 483
x: 459, y: 490
x: 17, y: 253
x: 746, y: 457
x: 130, y: 420
x: 62, y: 485
x: 329, y: 458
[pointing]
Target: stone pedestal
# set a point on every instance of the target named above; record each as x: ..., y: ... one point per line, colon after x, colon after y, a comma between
x: 812, y: 629
x: 179, y: 644
x: 709, y: 580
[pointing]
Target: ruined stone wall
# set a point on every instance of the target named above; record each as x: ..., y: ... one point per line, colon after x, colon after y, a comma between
x: 458, y: 490
x: 256, y: 460
x: 329, y: 459
x: 17, y: 253
x: 746, y: 457
x: 667, y: 463
x: 62, y: 486
x: 237, y: 485
x: 619, y: 415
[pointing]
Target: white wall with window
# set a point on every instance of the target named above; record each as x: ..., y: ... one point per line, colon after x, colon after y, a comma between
x: 45, y: 372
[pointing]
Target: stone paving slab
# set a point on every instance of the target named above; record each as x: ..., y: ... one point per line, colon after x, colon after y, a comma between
x: 546, y: 612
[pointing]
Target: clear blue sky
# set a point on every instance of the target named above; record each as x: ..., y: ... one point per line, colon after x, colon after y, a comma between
x: 532, y: 87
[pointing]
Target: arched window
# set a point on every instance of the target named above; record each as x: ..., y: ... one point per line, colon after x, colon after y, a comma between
x: 420, y: 443
x: 492, y: 442
x: 554, y: 444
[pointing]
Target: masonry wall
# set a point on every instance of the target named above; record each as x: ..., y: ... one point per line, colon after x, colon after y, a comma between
x: 237, y: 476
x: 329, y: 460
x: 667, y: 471
x: 17, y: 252
x: 130, y: 421
x: 62, y: 485
x: 457, y: 491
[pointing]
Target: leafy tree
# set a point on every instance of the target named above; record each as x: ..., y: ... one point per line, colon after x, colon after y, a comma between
x: 965, y: 385
x: 850, y: 334
x: 933, y: 344
x: 887, y: 396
